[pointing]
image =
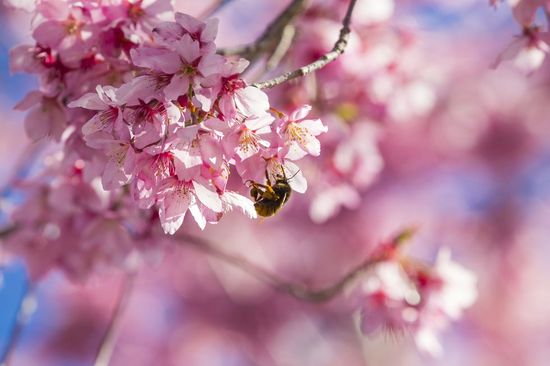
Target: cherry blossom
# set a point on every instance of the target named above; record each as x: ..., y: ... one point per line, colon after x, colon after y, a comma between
x: 157, y: 110
x: 153, y: 126
x: 46, y: 117
x: 527, y: 51
x: 406, y: 296
x: 301, y: 134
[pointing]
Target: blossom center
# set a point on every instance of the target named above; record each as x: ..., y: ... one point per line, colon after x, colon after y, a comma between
x: 231, y: 84
x: 182, y: 189
x: 148, y: 111
x: 135, y: 11
x: 248, y: 140
x: 189, y: 70
x: 296, y: 133
x: 72, y: 26
x: 165, y: 165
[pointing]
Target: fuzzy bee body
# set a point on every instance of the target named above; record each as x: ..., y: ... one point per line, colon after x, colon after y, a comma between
x: 270, y: 198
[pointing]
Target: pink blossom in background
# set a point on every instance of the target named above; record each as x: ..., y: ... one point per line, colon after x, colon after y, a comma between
x: 388, y: 208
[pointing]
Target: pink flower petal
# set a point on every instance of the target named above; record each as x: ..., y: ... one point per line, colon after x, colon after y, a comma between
x: 29, y: 100
x: 156, y: 58
x: 179, y: 85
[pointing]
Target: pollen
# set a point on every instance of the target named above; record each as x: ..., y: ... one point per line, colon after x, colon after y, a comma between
x: 119, y: 155
x: 188, y: 70
x: 248, y: 141
x: 181, y: 190
x: 297, y: 133
x: 107, y: 116
x: 72, y: 27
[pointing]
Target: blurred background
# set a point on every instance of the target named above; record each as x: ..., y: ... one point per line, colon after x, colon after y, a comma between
x: 445, y: 143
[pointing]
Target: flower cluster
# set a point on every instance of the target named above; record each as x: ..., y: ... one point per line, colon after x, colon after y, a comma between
x: 154, y: 123
x: 360, y: 101
x: 404, y: 295
x: 73, y: 224
x: 169, y: 117
x: 528, y: 50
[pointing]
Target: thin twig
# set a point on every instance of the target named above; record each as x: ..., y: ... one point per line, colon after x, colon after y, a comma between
x: 249, y: 267
x: 287, y: 37
x: 278, y: 54
x: 24, y: 312
x: 327, y: 58
x: 108, y: 341
x: 269, y: 39
x: 296, y: 290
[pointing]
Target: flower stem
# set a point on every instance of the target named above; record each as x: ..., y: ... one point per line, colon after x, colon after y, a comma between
x: 272, y: 35
x: 324, y: 60
x: 296, y: 290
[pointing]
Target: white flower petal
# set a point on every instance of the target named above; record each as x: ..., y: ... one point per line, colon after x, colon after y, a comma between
x: 233, y: 200
x: 208, y: 197
x: 295, y: 177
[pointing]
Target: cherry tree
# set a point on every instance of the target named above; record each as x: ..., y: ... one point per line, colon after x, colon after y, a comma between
x: 249, y: 181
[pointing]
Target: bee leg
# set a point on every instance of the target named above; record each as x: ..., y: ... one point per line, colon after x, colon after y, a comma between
x: 270, y: 194
x: 267, y: 196
x: 267, y: 178
x: 255, y: 193
x: 268, y: 191
x: 256, y: 188
x: 283, y: 171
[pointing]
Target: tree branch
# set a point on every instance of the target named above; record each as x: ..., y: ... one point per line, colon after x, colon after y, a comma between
x: 7, y: 231
x: 327, y: 58
x: 297, y: 290
x: 272, y: 34
x: 287, y: 37
x: 108, y: 341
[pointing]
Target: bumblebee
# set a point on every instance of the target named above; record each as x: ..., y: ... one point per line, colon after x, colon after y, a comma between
x: 270, y: 198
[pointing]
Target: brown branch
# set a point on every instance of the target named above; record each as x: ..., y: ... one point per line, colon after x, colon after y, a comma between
x: 24, y: 312
x: 239, y: 262
x: 108, y: 341
x: 327, y: 58
x: 328, y: 293
x: 296, y: 290
x: 269, y: 39
x: 287, y: 37
x: 7, y: 231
